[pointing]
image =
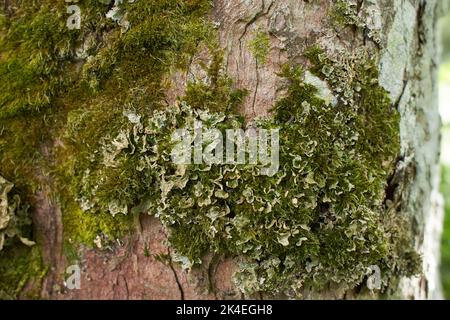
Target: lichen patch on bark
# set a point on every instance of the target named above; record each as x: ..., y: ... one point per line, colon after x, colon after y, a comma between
x: 336, y: 77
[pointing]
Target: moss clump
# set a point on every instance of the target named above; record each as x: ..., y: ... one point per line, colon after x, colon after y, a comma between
x: 19, y: 266
x: 88, y: 227
x: 38, y: 64
x: 34, y: 46
x: 259, y: 46
x: 321, y: 219
x: 217, y: 93
x: 344, y: 13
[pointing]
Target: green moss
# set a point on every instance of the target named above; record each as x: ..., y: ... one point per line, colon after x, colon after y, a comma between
x: 321, y: 219
x: 29, y: 67
x: 19, y: 266
x: 344, y: 13
x: 37, y: 50
x: 38, y: 64
x: 218, y: 94
x: 85, y: 227
x: 259, y: 46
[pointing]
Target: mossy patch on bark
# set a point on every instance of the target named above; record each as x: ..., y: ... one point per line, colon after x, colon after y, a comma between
x: 320, y: 220
x: 19, y: 266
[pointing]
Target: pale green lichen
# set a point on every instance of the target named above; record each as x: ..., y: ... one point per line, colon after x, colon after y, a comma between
x: 19, y: 264
x: 345, y: 13
x: 321, y: 219
x: 118, y: 14
x: 13, y: 215
x: 323, y: 91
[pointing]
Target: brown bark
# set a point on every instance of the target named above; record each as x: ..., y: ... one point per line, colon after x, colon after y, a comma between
x: 125, y: 272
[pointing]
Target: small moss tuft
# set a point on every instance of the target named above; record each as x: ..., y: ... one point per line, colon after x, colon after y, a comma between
x: 217, y: 94
x: 344, y: 13
x: 86, y: 227
x: 260, y: 45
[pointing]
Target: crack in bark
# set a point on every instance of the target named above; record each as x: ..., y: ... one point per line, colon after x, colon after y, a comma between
x: 402, y: 93
x: 256, y: 86
x: 126, y: 286
x: 212, y: 268
x: 261, y: 13
x: 420, y: 27
x: 180, y: 287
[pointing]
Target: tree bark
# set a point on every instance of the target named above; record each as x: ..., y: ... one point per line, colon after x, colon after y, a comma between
x: 400, y: 33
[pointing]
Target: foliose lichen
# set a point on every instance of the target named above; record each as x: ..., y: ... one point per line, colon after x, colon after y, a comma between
x: 320, y: 220
x: 13, y: 216
x: 364, y: 16
x: 18, y: 262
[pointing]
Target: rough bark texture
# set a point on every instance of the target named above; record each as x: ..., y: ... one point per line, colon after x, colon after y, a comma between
x: 405, y: 40
x: 411, y: 56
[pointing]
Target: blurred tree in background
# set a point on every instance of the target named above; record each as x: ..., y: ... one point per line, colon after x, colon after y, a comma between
x: 445, y: 188
x: 446, y: 36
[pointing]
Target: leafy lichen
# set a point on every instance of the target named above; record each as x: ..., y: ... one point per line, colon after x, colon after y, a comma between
x: 320, y: 220
x: 19, y: 263
x: 344, y: 13
x: 60, y: 84
x: 13, y: 216
x: 350, y: 13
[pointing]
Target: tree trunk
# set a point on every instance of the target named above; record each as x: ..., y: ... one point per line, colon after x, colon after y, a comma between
x: 133, y: 58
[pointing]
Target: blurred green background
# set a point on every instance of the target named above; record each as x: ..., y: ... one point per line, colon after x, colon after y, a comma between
x: 444, y: 100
